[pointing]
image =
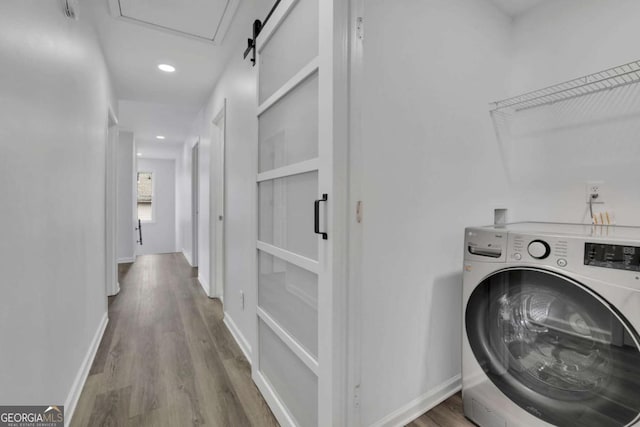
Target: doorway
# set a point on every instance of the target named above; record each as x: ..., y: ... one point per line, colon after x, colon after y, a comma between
x: 218, y: 209
x: 156, y: 205
x: 195, y: 203
x: 111, y: 200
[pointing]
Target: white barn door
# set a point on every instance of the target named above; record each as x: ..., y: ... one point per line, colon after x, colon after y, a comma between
x: 300, y: 322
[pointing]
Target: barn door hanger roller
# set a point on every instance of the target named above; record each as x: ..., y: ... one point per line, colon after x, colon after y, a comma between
x: 257, y: 27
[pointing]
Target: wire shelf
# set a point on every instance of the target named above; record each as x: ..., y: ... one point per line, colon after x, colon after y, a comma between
x: 612, y: 78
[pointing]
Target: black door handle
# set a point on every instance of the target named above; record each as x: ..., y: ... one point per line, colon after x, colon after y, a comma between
x: 139, y: 232
x: 316, y: 216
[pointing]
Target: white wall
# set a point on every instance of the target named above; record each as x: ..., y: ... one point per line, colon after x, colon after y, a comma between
x: 183, y: 204
x: 238, y: 86
x: 126, y: 166
x: 205, y: 251
x: 159, y: 234
x: 431, y: 166
x: 200, y: 133
x: 432, y: 163
x: 55, y: 93
x: 559, y: 148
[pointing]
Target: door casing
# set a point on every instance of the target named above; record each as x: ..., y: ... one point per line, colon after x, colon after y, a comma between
x: 195, y: 202
x: 111, y: 205
x: 218, y: 216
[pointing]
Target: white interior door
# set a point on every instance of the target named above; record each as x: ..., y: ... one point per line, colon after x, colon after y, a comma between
x: 195, y: 192
x: 296, y: 358
x: 219, y: 212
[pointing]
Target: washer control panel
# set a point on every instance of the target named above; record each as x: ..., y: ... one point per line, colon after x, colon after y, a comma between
x: 611, y: 259
x: 618, y: 257
x: 485, y: 245
x: 539, y: 249
x: 536, y: 248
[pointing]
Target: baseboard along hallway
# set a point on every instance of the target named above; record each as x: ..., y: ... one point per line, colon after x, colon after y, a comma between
x: 166, y: 358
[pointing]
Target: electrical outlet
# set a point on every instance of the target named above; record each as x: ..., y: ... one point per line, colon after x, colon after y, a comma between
x: 242, y: 300
x: 595, y: 188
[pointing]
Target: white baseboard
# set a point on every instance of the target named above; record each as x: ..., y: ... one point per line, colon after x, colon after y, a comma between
x: 126, y: 260
x: 204, y: 285
x: 81, y: 377
x: 279, y: 410
x: 187, y: 256
x: 116, y: 291
x: 421, y: 404
x: 238, y: 336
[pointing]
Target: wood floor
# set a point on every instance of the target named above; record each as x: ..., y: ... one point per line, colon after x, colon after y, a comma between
x: 447, y: 414
x: 166, y: 358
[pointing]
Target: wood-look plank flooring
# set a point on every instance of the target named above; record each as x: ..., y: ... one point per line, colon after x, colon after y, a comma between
x: 166, y: 358
x: 447, y: 414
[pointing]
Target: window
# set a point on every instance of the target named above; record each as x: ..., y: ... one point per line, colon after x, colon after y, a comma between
x: 145, y: 196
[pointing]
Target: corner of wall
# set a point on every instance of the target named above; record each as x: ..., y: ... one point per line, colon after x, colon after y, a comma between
x: 412, y: 410
x: 71, y: 401
x: 242, y: 341
x: 205, y: 285
x: 187, y: 256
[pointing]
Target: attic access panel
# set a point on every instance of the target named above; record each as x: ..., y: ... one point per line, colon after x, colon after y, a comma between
x: 206, y: 20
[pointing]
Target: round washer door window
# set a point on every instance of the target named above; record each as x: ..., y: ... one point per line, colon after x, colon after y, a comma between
x: 556, y: 349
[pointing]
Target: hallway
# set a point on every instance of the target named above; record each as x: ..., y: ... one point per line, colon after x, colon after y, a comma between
x: 166, y: 358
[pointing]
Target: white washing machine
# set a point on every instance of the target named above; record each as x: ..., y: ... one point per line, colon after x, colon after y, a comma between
x: 551, y: 321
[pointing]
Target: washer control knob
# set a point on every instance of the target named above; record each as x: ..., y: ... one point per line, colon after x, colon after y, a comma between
x: 562, y: 262
x: 539, y: 249
x: 517, y: 256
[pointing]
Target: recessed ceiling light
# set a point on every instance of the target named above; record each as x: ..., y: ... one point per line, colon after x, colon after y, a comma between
x: 139, y: 154
x: 166, y: 68
x: 160, y: 137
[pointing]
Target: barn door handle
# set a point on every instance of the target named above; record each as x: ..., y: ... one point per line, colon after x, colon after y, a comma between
x: 316, y: 216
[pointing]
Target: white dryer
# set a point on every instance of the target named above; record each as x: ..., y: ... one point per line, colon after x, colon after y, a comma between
x: 551, y: 314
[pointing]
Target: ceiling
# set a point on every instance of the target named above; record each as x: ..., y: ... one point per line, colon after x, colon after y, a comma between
x: 152, y: 102
x: 514, y: 8
x: 157, y: 103
x: 198, y: 18
x: 148, y: 120
x: 134, y: 50
x: 154, y: 151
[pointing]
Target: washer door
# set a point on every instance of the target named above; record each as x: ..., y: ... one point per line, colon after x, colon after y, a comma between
x: 556, y: 349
